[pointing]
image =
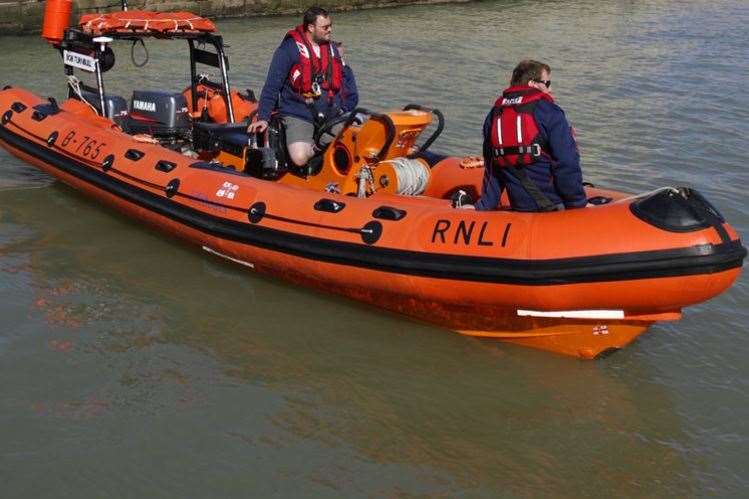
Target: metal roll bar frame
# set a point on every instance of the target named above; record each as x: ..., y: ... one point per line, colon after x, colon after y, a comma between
x: 77, y: 41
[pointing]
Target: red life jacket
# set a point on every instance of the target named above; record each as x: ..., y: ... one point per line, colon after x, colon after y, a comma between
x: 314, y: 74
x: 515, y: 137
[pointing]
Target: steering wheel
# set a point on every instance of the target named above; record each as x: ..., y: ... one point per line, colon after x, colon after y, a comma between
x: 327, y: 128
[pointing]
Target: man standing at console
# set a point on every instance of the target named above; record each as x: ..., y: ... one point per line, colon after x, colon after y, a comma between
x: 305, y: 83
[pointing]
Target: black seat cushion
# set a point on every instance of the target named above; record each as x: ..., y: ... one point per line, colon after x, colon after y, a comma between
x: 231, y: 138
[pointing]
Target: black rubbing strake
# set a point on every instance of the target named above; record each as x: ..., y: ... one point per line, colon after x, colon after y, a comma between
x: 691, y: 260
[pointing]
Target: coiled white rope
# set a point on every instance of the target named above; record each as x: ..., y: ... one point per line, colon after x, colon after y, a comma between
x: 412, y: 175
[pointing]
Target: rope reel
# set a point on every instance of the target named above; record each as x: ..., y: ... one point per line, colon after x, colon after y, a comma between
x: 404, y: 176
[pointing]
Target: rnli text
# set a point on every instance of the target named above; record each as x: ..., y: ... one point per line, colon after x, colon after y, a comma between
x: 468, y: 233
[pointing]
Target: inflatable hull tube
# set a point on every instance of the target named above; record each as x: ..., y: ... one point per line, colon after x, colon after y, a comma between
x: 579, y: 282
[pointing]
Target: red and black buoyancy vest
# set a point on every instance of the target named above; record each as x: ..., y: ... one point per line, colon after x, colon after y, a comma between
x: 313, y: 74
x: 515, y: 137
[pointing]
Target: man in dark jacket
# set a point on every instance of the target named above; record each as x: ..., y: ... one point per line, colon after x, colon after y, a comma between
x: 350, y: 93
x: 306, y: 83
x: 529, y: 147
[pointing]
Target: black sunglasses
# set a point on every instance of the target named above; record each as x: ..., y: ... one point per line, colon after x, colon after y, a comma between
x: 545, y: 82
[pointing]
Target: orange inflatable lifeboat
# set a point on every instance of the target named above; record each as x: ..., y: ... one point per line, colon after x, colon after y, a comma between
x: 373, y: 221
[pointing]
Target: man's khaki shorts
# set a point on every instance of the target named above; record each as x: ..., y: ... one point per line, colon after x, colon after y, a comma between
x: 298, y: 130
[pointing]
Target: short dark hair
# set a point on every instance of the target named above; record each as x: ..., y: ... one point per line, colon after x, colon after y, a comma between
x: 311, y: 15
x: 528, y: 70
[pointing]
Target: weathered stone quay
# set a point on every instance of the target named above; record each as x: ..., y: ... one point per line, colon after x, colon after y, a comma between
x: 25, y: 17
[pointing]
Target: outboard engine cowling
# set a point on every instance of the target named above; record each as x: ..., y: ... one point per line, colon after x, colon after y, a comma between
x: 161, y: 114
x: 116, y: 106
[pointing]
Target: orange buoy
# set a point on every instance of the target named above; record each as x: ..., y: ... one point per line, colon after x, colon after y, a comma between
x: 56, y: 19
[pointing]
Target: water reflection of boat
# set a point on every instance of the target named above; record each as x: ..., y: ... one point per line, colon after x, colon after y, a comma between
x: 374, y: 221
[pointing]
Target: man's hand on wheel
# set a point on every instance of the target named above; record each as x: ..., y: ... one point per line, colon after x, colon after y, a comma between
x: 257, y: 127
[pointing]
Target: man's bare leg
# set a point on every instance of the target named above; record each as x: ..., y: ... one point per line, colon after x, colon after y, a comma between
x: 300, y: 153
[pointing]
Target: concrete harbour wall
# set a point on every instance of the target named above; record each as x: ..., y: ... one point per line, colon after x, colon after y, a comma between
x: 25, y: 17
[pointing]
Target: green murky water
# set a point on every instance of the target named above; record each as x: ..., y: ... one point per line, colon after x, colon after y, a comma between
x: 134, y: 366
